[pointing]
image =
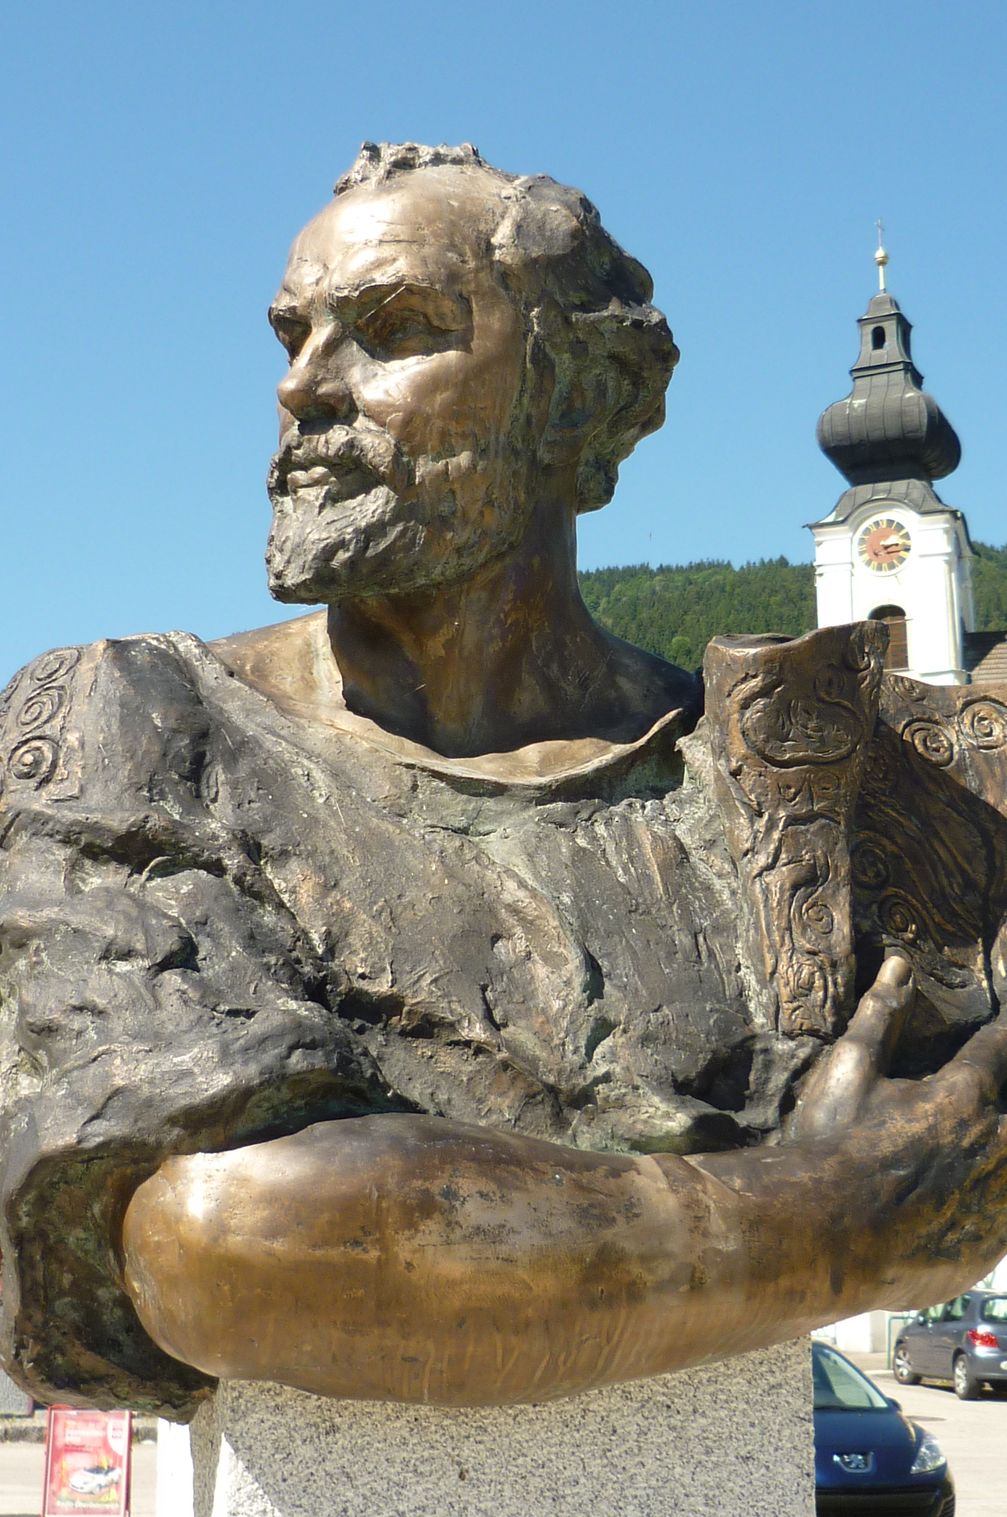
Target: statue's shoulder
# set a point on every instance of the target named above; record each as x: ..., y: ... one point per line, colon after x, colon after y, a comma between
x: 96, y: 702
x: 281, y: 661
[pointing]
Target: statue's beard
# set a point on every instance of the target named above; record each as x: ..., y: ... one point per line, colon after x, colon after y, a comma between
x: 352, y: 515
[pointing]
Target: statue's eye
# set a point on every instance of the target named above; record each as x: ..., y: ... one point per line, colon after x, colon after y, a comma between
x: 410, y: 321
x: 400, y: 331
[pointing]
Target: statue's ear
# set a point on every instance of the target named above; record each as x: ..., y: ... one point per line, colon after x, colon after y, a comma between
x: 575, y: 394
x: 611, y: 369
x: 609, y: 350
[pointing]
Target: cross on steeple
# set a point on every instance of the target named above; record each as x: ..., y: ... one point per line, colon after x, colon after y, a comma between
x: 881, y: 257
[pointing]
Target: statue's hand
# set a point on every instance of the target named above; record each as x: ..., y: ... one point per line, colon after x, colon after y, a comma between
x: 848, y: 1078
x: 850, y: 1084
x: 923, y: 1162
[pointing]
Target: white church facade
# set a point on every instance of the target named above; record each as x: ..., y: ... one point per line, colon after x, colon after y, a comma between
x: 913, y: 570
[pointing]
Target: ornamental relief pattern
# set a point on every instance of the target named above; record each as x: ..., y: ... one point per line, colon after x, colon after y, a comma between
x: 929, y: 852
x: 34, y: 708
x: 789, y: 725
x: 863, y: 814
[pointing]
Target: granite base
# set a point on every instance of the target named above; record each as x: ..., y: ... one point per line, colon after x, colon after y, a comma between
x: 733, y: 1439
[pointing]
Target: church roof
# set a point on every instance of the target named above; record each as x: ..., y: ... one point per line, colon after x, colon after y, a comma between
x: 984, y: 656
x: 888, y: 430
x: 917, y: 494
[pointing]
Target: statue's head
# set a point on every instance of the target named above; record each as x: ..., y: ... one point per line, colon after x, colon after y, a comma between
x: 464, y: 346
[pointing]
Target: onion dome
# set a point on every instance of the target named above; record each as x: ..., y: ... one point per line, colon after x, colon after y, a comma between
x: 888, y: 427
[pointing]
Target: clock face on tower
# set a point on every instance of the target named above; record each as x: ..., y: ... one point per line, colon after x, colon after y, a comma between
x: 884, y: 544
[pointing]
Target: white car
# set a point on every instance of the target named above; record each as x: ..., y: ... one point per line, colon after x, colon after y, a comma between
x: 92, y: 1481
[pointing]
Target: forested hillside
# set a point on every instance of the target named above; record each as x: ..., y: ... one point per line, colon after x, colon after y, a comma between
x: 675, y: 610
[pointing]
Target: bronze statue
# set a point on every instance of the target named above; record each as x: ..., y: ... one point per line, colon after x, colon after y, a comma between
x: 405, y: 1002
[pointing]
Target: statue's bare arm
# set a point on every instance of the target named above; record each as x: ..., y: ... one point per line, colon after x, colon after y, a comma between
x: 408, y: 1258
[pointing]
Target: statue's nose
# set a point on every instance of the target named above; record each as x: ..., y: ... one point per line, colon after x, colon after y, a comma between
x: 318, y: 385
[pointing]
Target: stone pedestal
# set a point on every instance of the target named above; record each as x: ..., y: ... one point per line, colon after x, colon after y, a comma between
x: 13, y: 1401
x: 734, y: 1438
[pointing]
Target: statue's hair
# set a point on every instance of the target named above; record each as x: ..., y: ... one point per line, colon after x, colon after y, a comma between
x: 587, y: 303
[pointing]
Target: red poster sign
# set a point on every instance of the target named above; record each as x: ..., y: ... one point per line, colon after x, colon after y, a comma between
x: 87, y: 1463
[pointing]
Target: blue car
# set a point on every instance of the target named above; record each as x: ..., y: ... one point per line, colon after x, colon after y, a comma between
x: 869, y: 1457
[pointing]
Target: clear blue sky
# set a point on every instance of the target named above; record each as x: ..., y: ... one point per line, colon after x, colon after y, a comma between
x: 158, y: 160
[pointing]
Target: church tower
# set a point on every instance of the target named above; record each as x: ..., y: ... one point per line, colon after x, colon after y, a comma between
x: 891, y: 550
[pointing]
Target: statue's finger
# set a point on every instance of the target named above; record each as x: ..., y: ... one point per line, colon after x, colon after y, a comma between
x: 879, y: 1018
x: 843, y: 1079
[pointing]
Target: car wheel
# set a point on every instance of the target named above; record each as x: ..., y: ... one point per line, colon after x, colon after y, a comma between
x: 965, y: 1383
x: 901, y: 1368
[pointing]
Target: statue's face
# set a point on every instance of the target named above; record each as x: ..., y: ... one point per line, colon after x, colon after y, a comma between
x: 398, y: 465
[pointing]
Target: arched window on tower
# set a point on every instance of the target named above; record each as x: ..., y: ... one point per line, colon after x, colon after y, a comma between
x: 878, y: 338
x: 894, y: 619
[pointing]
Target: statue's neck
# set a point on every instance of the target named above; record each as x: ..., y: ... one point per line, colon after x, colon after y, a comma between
x: 506, y: 657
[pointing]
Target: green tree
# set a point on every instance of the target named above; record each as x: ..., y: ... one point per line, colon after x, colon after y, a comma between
x: 674, y: 610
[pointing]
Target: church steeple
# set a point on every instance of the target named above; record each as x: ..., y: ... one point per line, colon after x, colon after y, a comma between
x: 888, y: 427
x: 890, y: 549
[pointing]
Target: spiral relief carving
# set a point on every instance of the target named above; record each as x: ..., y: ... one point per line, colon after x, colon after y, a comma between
x: 33, y: 711
x: 41, y: 707
x: 931, y: 740
x: 908, y: 689
x: 819, y: 916
x: 34, y: 760
x: 898, y: 916
x: 870, y: 867
x: 54, y: 666
x: 983, y: 724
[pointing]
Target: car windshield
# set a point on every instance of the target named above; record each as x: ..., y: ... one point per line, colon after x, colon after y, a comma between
x: 841, y: 1388
x: 995, y: 1309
